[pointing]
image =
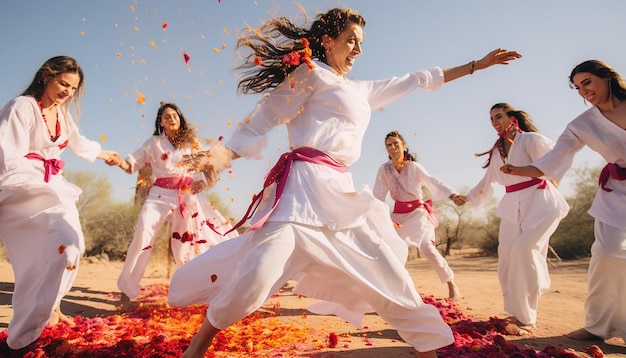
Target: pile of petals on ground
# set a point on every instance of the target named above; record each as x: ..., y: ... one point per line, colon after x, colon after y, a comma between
x: 154, y: 329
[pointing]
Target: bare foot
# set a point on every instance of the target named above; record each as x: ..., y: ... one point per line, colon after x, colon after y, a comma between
x: 583, y: 335
x: 125, y: 302
x: 453, y: 291
x: 58, y: 317
x: 516, y: 328
x: 201, y: 341
x: 429, y: 354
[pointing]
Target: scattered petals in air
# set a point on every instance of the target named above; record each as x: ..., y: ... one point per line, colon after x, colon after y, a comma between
x: 136, y: 28
x: 141, y: 99
x: 119, y: 55
x: 164, y: 156
x: 165, y: 25
x: 213, y: 277
x: 82, y: 32
x: 186, y: 57
x: 258, y: 61
x: 216, y: 50
x: 152, y: 43
x: 223, y: 45
x: 103, y: 138
x: 71, y: 267
x: 61, y: 249
x: 132, y: 8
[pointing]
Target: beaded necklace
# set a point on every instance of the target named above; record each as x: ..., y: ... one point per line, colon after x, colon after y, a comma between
x: 58, y: 126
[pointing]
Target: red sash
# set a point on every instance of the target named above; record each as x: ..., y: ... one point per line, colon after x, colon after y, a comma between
x: 611, y: 170
x: 180, y: 183
x: 526, y: 184
x: 403, y: 207
x: 51, y: 166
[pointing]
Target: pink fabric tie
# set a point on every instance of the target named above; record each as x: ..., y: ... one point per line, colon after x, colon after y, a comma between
x: 279, y: 174
x: 611, y: 170
x: 180, y: 183
x: 403, y: 207
x: 526, y: 184
x: 51, y: 166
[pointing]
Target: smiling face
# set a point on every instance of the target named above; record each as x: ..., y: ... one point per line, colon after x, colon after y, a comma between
x: 341, y: 51
x: 500, y: 121
x: 395, y: 148
x: 592, y: 88
x: 60, y: 88
x: 170, y: 121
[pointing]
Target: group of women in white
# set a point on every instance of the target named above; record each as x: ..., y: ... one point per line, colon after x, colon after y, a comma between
x: 341, y: 254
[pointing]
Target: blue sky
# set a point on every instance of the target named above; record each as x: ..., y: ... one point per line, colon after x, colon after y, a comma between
x: 124, y: 50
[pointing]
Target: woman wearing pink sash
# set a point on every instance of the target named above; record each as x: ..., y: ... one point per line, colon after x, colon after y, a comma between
x: 403, y: 178
x: 530, y: 212
x: 175, y: 197
x: 603, y: 129
x: 311, y: 223
x: 39, y: 224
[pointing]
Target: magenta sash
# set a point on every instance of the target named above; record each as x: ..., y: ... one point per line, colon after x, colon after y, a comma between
x: 403, y: 207
x: 611, y: 170
x: 180, y: 183
x: 526, y: 184
x: 51, y: 166
x: 279, y: 174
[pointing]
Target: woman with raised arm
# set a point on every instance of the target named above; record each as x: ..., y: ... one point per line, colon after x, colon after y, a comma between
x: 530, y: 212
x: 603, y: 129
x: 39, y: 222
x: 311, y: 223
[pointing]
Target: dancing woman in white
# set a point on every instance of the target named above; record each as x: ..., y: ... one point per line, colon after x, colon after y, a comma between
x: 530, y: 212
x: 311, y: 222
x: 603, y: 129
x: 174, y: 197
x: 403, y: 178
x: 39, y: 222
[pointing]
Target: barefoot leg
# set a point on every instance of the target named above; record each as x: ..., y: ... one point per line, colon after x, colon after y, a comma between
x: 201, y: 342
x: 583, y: 335
x: 453, y: 291
x: 429, y: 354
x: 57, y: 317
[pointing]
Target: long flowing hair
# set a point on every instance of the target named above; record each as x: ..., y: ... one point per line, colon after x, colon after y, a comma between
x: 267, y: 64
x: 523, y: 123
x: 185, y: 136
x: 617, y: 86
x: 48, y: 71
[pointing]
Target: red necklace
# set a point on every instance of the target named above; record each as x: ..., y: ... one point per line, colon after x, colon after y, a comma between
x: 58, y: 126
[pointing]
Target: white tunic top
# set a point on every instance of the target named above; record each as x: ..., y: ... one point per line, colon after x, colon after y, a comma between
x: 407, y: 185
x: 527, y: 147
x: 330, y: 113
x: 24, y: 131
x: 161, y: 155
x: 591, y: 128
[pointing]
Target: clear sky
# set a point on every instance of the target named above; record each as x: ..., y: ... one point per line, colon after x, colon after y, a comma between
x: 125, y: 52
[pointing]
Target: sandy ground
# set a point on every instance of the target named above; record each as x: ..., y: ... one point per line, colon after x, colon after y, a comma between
x: 561, y: 309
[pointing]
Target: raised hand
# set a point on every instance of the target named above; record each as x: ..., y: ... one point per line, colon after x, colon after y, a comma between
x: 498, y: 56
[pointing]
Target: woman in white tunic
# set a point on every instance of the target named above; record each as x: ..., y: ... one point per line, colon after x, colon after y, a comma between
x: 530, y: 212
x: 40, y: 228
x: 603, y: 129
x: 403, y: 178
x: 311, y: 223
x: 174, y: 197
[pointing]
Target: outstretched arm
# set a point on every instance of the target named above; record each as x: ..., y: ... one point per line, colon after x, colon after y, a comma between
x: 496, y: 57
x: 116, y: 160
x: 527, y: 171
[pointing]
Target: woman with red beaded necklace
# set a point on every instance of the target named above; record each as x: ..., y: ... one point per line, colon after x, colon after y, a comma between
x: 40, y: 227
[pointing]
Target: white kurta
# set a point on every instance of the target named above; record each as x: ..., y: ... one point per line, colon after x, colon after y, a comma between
x: 605, y: 305
x: 39, y: 222
x: 191, y: 233
x: 415, y: 227
x: 339, y: 243
x: 529, y: 217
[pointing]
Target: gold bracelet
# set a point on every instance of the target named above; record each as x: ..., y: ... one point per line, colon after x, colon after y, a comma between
x: 472, y: 67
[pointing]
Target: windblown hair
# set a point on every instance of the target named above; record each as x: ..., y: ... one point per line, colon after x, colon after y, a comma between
x: 48, y: 71
x: 524, y: 123
x: 407, y: 156
x: 185, y: 136
x: 264, y: 68
x: 602, y: 70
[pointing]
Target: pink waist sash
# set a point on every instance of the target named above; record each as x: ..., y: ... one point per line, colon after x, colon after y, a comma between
x: 180, y: 183
x: 279, y: 174
x: 51, y: 166
x: 526, y: 184
x: 403, y: 207
x: 611, y: 170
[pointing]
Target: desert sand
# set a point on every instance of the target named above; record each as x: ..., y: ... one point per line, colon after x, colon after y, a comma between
x: 561, y: 309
